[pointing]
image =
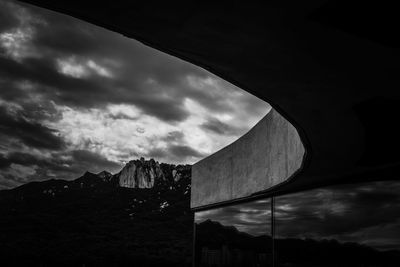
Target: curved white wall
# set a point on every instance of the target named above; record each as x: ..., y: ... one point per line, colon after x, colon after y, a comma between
x: 265, y: 156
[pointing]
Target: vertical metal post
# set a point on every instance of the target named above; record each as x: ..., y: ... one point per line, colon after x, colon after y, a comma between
x: 273, y: 230
x: 194, y: 241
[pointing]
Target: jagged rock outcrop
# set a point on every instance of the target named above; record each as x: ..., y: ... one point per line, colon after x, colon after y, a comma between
x: 140, y: 174
x: 176, y: 175
x: 135, y: 174
x: 180, y: 171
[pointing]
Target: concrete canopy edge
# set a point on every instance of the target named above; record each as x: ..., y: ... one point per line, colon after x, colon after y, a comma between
x: 266, y: 156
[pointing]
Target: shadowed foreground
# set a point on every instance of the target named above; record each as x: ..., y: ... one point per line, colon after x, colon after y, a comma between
x: 90, y: 222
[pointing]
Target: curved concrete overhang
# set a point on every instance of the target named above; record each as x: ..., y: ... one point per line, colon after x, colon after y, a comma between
x: 329, y: 67
x: 269, y: 154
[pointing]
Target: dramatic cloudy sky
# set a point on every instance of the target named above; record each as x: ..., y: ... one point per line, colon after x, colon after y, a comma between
x: 76, y: 97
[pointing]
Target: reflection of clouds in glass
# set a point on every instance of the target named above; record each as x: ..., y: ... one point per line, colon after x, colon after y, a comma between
x: 366, y: 214
x: 252, y: 217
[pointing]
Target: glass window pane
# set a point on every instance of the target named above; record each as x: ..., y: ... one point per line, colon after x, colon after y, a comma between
x: 238, y: 235
x: 346, y: 225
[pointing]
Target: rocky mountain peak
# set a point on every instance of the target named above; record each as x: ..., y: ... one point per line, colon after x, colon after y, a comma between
x: 140, y: 174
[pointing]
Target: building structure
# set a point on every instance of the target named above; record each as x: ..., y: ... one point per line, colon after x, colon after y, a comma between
x: 330, y: 71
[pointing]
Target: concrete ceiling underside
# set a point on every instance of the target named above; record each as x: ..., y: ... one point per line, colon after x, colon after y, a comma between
x: 329, y: 67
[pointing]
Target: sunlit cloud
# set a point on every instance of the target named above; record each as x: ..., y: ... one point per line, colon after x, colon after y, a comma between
x: 16, y: 42
x: 122, y: 130
x: 72, y: 68
x: 81, y: 68
x: 102, y: 71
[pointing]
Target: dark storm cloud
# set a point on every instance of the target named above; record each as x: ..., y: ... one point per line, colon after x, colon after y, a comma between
x: 7, y: 18
x: 93, y: 160
x: 66, y: 35
x: 50, y: 83
x: 32, y: 134
x: 164, y: 108
x: 67, y: 165
x: 23, y: 159
x: 157, y: 153
x: 175, y: 152
x: 174, y: 137
x: 121, y: 116
x: 183, y: 151
x: 216, y: 126
x: 93, y: 91
x: 149, y: 79
x: 54, y: 162
x: 4, y: 162
x: 8, y: 89
x: 62, y: 37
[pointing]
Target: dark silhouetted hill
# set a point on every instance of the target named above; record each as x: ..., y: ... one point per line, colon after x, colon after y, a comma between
x: 93, y: 221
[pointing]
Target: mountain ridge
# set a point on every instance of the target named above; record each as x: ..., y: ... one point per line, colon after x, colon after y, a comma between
x: 137, y: 173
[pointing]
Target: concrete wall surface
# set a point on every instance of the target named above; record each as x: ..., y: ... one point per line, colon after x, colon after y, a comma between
x: 264, y: 157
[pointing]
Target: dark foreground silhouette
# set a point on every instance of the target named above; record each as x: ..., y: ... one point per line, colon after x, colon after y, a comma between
x: 220, y: 245
x: 224, y: 246
x: 92, y: 222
